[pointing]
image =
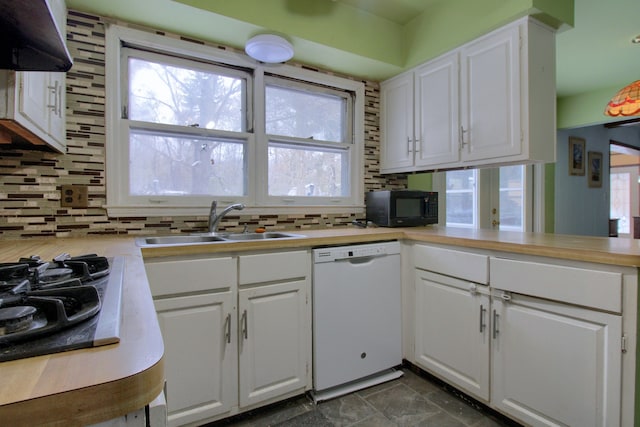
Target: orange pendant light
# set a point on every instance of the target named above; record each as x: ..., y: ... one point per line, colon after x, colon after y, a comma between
x: 626, y: 102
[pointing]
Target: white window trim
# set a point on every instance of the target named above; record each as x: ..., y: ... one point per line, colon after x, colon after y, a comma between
x: 256, y: 202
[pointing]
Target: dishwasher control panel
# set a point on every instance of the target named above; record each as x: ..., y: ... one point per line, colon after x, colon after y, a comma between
x: 355, y: 251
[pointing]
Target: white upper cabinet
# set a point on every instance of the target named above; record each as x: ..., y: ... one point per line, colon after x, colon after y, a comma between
x: 32, y: 103
x: 490, y: 102
x: 490, y: 108
x: 34, y: 107
x: 396, y: 123
x: 436, y: 112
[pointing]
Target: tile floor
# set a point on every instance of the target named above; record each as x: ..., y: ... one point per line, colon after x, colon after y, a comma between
x: 415, y: 399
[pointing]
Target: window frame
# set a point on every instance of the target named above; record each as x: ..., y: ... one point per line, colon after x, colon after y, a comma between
x: 119, y: 203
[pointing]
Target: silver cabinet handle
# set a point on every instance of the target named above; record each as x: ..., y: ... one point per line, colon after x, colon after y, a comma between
x: 409, y: 150
x: 227, y: 327
x: 482, y: 312
x: 496, y: 317
x: 53, y: 91
x: 59, y: 98
x: 462, y: 142
x: 245, y: 332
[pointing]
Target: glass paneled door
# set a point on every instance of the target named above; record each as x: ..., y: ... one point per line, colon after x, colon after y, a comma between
x: 498, y: 199
x: 508, y: 198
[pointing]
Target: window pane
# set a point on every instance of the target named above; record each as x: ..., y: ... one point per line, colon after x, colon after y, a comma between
x: 163, y: 93
x: 169, y: 165
x: 307, y: 171
x: 511, y: 197
x: 461, y: 198
x: 620, y: 203
x: 302, y: 114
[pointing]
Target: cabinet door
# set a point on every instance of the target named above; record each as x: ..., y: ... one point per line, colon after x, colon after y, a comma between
x: 490, y: 93
x: 35, y: 99
x: 199, y: 335
x: 436, y: 112
x: 41, y: 106
x: 555, y: 364
x: 452, y: 331
x: 396, y: 124
x: 274, y: 340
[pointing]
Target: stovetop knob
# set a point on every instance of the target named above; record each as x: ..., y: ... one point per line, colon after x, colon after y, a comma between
x: 62, y: 257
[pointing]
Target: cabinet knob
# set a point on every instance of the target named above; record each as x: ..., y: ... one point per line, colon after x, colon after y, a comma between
x: 473, y: 288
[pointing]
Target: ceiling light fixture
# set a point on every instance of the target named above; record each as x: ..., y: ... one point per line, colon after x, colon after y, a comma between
x: 636, y: 39
x: 269, y: 48
x: 626, y: 102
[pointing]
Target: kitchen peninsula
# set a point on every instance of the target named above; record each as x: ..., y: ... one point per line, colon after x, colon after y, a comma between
x: 135, y: 365
x: 83, y: 387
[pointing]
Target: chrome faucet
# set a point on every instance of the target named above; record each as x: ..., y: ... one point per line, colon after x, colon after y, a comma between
x: 215, y: 219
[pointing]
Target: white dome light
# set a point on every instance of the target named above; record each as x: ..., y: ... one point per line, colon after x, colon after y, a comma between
x: 269, y: 48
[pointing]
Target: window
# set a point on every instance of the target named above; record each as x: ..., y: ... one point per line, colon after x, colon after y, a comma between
x: 310, y: 139
x: 461, y: 198
x: 167, y: 101
x: 620, y: 202
x: 512, y: 201
x: 190, y: 124
x: 488, y: 198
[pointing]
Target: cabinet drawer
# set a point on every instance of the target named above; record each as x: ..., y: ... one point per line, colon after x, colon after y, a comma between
x: 590, y: 288
x: 260, y: 268
x: 450, y: 262
x: 191, y: 275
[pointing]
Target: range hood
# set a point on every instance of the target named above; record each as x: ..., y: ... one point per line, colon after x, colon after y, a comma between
x: 30, y: 39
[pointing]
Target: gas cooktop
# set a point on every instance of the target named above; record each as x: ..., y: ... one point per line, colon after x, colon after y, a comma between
x: 64, y: 304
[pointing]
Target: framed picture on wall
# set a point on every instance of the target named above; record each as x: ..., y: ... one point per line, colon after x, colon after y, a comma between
x: 595, y: 169
x: 576, y: 155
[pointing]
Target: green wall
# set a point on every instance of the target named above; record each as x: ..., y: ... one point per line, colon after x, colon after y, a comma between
x: 549, y: 197
x: 585, y: 109
x: 420, y: 181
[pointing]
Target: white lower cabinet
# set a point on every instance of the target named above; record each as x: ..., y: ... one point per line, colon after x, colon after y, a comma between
x: 236, y: 329
x: 452, y: 331
x: 273, y: 341
x: 200, y: 355
x: 542, y: 343
x: 555, y: 364
x: 556, y: 357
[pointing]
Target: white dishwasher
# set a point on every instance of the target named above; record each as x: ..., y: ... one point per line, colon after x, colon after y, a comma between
x: 356, y: 317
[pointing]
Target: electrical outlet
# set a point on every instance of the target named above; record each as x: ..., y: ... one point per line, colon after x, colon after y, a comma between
x: 75, y: 196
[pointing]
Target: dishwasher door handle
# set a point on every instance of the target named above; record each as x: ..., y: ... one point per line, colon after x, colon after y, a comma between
x: 360, y: 259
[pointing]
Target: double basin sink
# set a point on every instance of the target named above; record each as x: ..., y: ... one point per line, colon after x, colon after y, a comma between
x: 192, y: 239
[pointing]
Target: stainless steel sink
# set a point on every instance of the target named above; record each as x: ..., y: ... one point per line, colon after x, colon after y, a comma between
x: 261, y: 236
x: 192, y: 239
x: 186, y: 239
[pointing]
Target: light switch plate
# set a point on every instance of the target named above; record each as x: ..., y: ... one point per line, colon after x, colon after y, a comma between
x: 74, y: 196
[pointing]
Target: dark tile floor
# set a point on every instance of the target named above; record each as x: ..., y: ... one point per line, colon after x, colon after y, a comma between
x: 412, y: 400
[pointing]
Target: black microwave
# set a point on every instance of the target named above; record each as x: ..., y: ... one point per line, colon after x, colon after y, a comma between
x: 402, y: 208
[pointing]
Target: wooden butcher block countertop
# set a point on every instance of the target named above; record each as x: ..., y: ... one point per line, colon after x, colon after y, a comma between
x: 86, y: 386
x: 605, y: 250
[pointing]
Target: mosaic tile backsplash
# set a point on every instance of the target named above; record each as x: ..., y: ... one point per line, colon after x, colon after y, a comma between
x: 30, y: 181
